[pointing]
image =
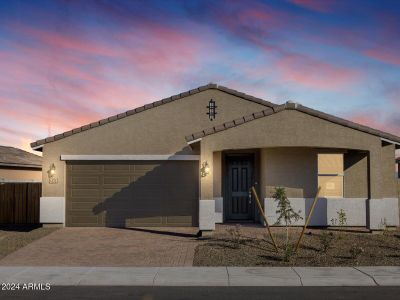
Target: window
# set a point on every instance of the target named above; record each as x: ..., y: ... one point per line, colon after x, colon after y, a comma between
x: 330, y: 175
x: 211, y: 110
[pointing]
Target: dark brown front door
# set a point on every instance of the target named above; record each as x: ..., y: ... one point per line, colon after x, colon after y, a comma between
x: 238, y: 182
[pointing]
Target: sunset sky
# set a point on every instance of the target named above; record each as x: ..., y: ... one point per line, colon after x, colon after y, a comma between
x: 67, y: 63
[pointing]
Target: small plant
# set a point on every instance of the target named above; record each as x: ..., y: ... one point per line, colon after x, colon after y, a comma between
x: 288, y: 252
x: 356, y: 251
x: 236, y: 235
x: 342, y: 217
x: 384, y: 227
x: 341, y: 220
x: 286, y: 214
x: 326, y: 239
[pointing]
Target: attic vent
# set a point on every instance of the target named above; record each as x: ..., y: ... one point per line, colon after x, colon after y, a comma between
x: 211, y: 110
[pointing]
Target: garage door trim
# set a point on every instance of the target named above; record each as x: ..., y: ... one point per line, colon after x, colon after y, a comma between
x: 67, y: 157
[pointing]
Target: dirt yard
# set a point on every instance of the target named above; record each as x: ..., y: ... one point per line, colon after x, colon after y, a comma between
x: 14, y: 237
x: 252, y: 247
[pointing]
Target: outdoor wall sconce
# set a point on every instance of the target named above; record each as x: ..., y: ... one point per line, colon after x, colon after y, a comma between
x: 51, y: 173
x: 205, y: 169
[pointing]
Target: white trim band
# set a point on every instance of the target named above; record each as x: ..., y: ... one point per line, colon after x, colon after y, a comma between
x: 130, y: 157
x: 194, y: 141
x: 390, y: 141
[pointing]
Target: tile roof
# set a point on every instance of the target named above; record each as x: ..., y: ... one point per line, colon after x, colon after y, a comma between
x: 291, y: 106
x: 149, y: 106
x: 10, y: 156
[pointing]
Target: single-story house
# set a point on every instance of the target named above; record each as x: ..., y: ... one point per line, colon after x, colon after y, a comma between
x: 190, y: 160
x: 17, y: 165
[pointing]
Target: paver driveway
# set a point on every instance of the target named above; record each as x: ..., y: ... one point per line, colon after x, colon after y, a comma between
x: 109, y: 247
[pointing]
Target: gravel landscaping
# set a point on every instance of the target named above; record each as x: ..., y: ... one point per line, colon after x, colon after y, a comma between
x: 252, y: 247
x: 14, y: 237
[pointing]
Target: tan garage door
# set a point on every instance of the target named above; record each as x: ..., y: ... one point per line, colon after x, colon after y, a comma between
x: 127, y: 194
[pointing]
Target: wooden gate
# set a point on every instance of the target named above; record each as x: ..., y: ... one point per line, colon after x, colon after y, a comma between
x: 19, y: 202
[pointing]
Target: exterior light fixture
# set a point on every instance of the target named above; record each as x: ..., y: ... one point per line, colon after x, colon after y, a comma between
x: 51, y: 173
x: 205, y: 169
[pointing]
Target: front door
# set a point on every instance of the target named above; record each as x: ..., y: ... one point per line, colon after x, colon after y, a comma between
x: 238, y: 183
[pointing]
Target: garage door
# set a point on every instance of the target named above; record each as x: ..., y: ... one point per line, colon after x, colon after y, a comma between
x: 127, y: 194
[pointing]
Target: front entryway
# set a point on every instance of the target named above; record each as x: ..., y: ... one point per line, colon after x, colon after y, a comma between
x: 239, y: 179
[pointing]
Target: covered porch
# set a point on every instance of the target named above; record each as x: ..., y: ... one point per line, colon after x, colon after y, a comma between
x: 300, y: 149
x: 342, y: 174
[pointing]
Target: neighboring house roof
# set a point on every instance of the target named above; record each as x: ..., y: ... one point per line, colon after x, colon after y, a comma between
x: 14, y: 157
x: 39, y: 143
x: 291, y: 106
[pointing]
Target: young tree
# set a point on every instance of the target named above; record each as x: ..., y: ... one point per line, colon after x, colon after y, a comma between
x: 285, y: 212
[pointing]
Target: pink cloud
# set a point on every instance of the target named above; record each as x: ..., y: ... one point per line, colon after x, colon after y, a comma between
x: 63, y: 81
x: 387, y: 123
x: 385, y: 55
x: 314, y: 73
x: 317, y: 5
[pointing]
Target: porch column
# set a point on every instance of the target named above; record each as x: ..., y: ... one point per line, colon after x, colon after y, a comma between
x: 207, y: 202
x: 382, y: 211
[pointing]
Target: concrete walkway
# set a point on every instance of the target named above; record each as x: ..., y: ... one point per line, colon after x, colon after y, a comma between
x: 203, y: 276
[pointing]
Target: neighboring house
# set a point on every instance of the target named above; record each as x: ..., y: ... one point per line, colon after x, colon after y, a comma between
x: 17, y: 165
x: 190, y: 159
x: 398, y: 167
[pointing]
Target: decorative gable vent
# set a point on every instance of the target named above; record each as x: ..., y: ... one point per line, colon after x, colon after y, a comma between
x: 211, y: 110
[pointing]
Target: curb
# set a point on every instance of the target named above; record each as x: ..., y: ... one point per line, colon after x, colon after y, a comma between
x: 203, y: 276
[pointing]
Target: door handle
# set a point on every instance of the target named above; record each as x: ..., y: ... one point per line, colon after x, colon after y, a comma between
x: 249, y: 196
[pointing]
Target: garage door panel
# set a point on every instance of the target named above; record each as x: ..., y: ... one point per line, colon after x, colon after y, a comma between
x: 87, y: 193
x: 85, y: 221
x: 132, y: 193
x: 86, y: 168
x: 179, y: 220
x: 117, y: 168
x: 145, y: 221
x: 81, y: 180
x: 87, y: 206
x: 125, y: 180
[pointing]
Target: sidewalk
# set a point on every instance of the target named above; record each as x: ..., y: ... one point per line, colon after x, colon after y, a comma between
x: 203, y: 276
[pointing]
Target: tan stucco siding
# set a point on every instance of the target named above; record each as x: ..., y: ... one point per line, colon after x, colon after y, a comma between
x: 292, y: 168
x: 355, y: 174
x: 160, y: 130
x: 217, y: 174
x: 19, y: 174
x: 388, y: 171
x: 292, y: 128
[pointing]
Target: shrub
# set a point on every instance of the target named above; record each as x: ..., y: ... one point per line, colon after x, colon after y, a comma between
x: 285, y: 213
x: 236, y: 235
x: 288, y: 252
x: 341, y: 219
x: 326, y: 239
x: 356, y: 251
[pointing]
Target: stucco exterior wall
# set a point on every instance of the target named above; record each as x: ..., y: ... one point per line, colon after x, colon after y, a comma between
x: 20, y: 174
x: 160, y: 130
x: 217, y: 174
x: 295, y: 169
x: 356, y: 174
x: 291, y: 128
x: 388, y: 168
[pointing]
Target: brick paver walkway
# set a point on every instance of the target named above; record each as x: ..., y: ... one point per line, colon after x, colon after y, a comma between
x: 109, y: 247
